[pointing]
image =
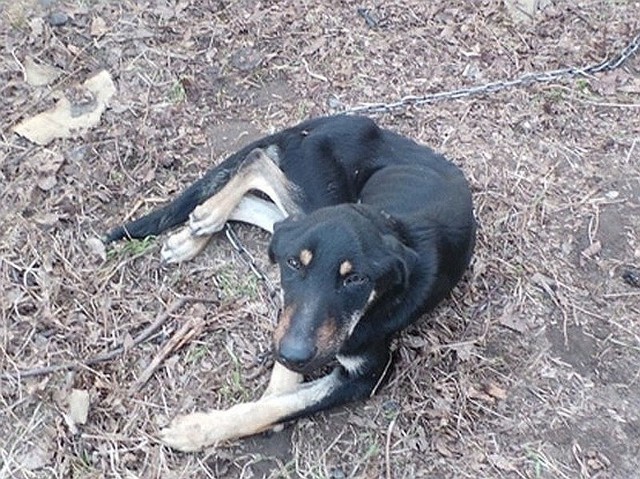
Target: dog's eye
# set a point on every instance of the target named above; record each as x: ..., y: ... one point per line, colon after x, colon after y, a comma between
x: 354, y: 279
x: 294, y: 263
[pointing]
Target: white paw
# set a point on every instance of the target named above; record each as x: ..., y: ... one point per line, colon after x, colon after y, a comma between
x: 194, y: 431
x: 182, y: 246
x: 206, y: 220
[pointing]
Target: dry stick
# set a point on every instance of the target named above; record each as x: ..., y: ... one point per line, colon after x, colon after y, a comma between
x: 141, y: 337
x: 191, y: 328
x: 387, y: 447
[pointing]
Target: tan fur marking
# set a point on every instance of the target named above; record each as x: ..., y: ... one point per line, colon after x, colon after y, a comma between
x: 282, y: 381
x: 326, y: 334
x: 195, y: 431
x: 283, y: 324
x: 345, y: 268
x: 305, y: 257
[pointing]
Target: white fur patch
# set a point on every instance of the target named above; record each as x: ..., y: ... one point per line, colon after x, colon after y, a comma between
x: 353, y: 364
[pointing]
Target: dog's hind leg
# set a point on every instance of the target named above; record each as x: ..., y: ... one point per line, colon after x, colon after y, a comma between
x: 260, y: 172
x: 184, y: 245
x: 258, y: 212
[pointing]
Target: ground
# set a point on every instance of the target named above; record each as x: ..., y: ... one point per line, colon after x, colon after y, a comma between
x: 530, y: 370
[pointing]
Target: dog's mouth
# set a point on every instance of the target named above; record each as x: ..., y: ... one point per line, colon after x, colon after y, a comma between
x: 313, y: 366
x: 305, y: 351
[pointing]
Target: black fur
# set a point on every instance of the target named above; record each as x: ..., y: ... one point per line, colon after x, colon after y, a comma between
x: 398, y: 213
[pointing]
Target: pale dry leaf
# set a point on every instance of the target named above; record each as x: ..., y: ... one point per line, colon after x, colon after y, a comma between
x: 46, y: 219
x: 464, y: 351
x: 592, y: 250
x: 97, y: 247
x: 35, y: 458
x: 98, y: 27
x: 495, y: 391
x: 47, y: 182
x: 502, y: 462
x: 66, y: 119
x: 633, y: 86
x: 37, y: 27
x: 512, y: 320
x: 39, y: 74
x: 79, y: 401
x: 525, y: 10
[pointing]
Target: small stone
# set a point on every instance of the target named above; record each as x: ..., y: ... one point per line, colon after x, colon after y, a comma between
x: 58, y: 19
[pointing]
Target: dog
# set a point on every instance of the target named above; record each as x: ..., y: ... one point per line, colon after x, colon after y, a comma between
x: 370, y: 231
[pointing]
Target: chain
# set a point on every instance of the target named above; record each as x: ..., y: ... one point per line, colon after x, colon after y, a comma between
x: 250, y: 260
x: 610, y: 64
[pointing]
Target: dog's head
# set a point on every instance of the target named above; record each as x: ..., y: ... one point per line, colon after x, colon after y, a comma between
x: 335, y: 264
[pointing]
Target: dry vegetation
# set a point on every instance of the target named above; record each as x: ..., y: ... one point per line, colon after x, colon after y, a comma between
x: 530, y: 370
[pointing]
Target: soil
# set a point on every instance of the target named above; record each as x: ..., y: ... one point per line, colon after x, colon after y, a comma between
x: 530, y: 370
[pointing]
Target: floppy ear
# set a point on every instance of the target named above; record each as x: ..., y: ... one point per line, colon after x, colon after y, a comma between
x: 397, y: 263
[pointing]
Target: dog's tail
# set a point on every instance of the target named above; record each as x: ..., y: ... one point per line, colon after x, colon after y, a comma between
x: 176, y: 212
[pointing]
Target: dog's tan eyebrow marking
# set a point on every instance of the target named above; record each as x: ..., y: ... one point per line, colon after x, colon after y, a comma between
x: 305, y: 257
x: 345, y: 268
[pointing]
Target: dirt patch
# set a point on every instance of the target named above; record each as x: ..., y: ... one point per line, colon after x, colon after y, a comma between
x: 529, y: 370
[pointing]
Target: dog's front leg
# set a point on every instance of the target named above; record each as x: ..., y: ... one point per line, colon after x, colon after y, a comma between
x: 282, y: 381
x: 195, y: 431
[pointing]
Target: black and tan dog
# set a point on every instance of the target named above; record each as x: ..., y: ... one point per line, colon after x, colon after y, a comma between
x: 370, y: 231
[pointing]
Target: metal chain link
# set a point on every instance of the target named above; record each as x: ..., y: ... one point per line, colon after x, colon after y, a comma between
x: 610, y: 64
x: 250, y: 260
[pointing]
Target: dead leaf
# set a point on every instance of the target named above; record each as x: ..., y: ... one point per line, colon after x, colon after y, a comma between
x: 47, y: 182
x: 525, y: 10
x: 502, y: 462
x: 98, y: 27
x: 46, y: 219
x: 495, y: 391
x: 68, y: 119
x: 473, y: 393
x: 514, y: 321
x: 440, y: 445
x: 35, y: 458
x: 37, y: 27
x: 464, y: 351
x: 39, y: 74
x: 632, y: 87
x: 97, y: 247
x: 78, y: 411
x: 592, y: 250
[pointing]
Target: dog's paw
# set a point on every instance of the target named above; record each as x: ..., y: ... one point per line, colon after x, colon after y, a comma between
x: 193, y: 432
x: 182, y: 246
x: 206, y: 220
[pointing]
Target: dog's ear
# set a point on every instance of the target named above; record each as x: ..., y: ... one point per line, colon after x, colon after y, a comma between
x: 397, y: 263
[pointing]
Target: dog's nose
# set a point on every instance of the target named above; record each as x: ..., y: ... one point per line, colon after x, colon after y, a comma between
x: 295, y: 353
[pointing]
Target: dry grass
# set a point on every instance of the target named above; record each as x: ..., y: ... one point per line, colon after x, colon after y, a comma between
x: 530, y: 370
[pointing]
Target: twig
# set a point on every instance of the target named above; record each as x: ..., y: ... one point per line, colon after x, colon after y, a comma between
x: 191, y: 328
x: 100, y: 358
x: 387, y: 448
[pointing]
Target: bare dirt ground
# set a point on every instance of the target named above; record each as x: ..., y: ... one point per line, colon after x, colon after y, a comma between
x: 530, y: 370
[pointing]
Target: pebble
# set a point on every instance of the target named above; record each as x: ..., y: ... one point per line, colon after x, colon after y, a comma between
x: 57, y: 19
